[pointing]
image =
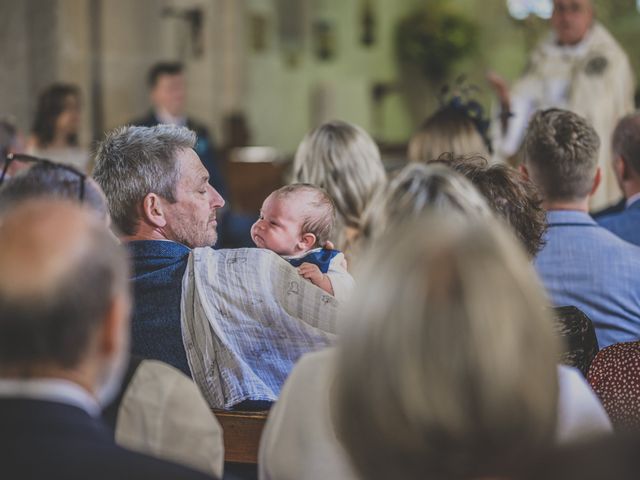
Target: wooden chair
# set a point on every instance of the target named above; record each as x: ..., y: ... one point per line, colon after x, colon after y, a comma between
x: 241, y: 432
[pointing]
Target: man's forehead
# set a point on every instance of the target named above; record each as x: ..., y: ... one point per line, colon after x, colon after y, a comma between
x: 190, y: 166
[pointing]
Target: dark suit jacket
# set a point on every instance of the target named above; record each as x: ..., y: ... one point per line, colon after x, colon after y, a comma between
x: 156, y: 332
x: 611, y: 209
x: 205, y: 148
x: 625, y: 224
x: 49, y: 440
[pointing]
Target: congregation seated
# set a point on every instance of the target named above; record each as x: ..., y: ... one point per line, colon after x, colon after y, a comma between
x: 234, y: 320
x: 437, y: 378
x: 300, y: 439
x: 64, y: 328
x: 581, y: 264
x: 516, y: 201
x: 344, y: 160
x: 626, y: 166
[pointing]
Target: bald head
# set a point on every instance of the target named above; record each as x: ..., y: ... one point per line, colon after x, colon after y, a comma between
x: 61, y: 270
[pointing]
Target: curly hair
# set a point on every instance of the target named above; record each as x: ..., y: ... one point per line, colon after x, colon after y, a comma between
x: 510, y: 195
x: 51, y: 103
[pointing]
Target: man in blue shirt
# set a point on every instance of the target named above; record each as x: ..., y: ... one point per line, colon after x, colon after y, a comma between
x: 582, y: 264
x: 253, y: 323
x: 626, y: 165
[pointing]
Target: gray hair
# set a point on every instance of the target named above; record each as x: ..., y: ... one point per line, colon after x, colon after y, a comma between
x: 55, y: 181
x: 626, y: 140
x: 132, y: 162
x: 561, y: 153
x: 447, y: 367
x: 417, y: 189
x: 344, y: 160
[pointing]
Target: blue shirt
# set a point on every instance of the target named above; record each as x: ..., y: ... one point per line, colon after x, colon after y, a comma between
x: 156, y: 333
x: 584, y: 265
x: 624, y: 224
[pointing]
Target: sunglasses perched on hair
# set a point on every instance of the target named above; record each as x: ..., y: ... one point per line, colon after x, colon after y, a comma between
x: 20, y: 157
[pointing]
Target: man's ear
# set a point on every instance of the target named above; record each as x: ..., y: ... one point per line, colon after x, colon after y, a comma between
x: 596, y: 181
x: 523, y: 171
x: 307, y: 241
x: 152, y: 211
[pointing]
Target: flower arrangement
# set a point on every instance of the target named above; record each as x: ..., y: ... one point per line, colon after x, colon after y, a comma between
x: 434, y: 38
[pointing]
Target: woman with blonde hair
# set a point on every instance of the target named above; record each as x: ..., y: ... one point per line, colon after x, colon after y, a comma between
x: 344, y: 160
x: 448, y: 365
x: 416, y: 189
x: 451, y: 129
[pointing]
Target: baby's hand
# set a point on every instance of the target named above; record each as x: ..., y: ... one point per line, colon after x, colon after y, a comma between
x: 312, y: 273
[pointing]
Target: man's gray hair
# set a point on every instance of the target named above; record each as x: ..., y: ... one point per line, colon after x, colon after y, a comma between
x: 132, y: 162
x: 626, y: 140
x: 561, y: 152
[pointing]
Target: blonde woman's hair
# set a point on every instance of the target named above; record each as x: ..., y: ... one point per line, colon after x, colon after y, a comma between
x: 447, y: 367
x: 447, y: 130
x: 344, y: 160
x: 419, y: 188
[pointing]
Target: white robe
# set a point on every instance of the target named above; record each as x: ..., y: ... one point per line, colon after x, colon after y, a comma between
x: 593, y: 79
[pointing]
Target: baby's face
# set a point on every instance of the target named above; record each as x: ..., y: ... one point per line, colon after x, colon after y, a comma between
x: 279, y: 227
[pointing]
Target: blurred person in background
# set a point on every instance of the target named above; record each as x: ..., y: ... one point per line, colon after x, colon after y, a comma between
x: 54, y: 134
x: 344, y: 160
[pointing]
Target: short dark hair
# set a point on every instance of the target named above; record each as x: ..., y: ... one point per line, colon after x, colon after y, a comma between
x: 512, y: 197
x: 561, y: 153
x: 50, y: 180
x: 626, y: 140
x: 54, y: 325
x: 51, y: 103
x: 163, y: 68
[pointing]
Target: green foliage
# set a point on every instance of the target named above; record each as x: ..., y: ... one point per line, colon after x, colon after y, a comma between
x: 434, y: 38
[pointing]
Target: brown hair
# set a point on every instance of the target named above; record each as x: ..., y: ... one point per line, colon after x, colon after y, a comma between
x: 511, y: 196
x: 561, y: 153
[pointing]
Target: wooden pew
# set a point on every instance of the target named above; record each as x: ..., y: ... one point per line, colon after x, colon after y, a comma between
x: 241, y: 431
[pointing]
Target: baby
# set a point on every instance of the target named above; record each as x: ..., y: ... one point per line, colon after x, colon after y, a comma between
x: 296, y: 222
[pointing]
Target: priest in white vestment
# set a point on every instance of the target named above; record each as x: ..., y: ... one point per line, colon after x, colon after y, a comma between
x: 579, y: 66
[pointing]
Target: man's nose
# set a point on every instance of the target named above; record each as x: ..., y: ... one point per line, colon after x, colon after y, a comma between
x: 216, y: 199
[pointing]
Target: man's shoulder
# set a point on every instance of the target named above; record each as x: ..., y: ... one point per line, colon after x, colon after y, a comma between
x: 597, y: 239
x: 52, y: 440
